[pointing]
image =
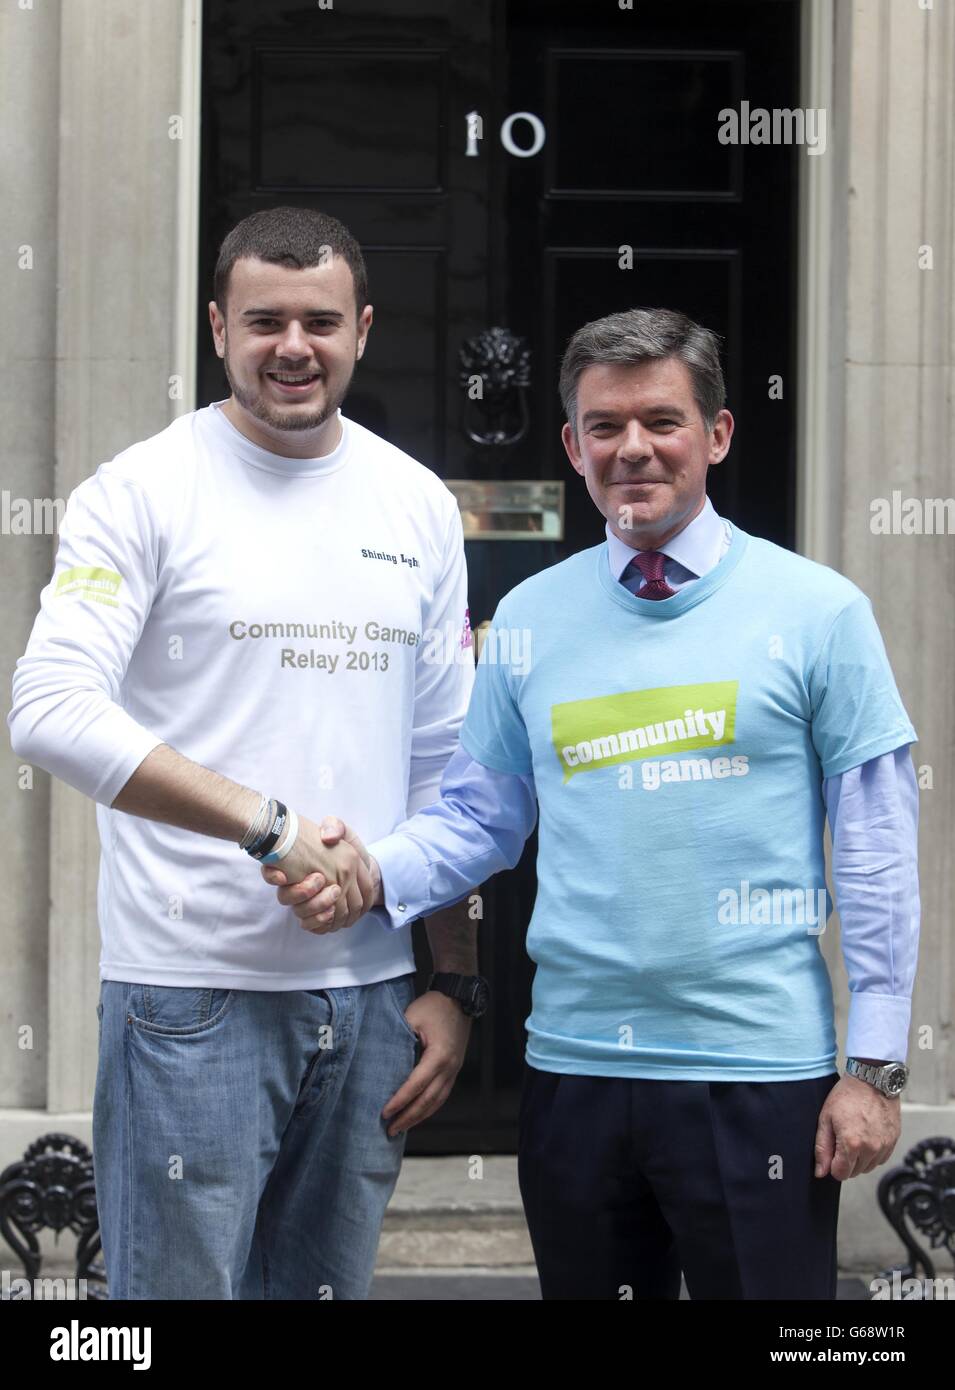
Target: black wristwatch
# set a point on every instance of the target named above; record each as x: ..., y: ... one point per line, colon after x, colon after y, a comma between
x: 472, y: 992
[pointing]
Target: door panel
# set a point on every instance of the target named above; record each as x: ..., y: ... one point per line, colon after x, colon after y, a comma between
x: 632, y: 101
x: 400, y: 148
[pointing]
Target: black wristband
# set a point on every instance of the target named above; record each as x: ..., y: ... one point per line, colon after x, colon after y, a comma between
x: 271, y: 837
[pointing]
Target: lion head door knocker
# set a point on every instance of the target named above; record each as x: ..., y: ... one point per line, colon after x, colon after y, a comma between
x: 495, y: 376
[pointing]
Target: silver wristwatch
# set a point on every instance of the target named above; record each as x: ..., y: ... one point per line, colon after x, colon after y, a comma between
x: 889, y: 1079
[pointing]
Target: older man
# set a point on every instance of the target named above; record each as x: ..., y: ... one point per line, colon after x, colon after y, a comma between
x: 697, y: 700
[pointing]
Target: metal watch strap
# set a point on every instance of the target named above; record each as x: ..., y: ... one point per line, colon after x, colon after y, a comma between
x: 875, y: 1075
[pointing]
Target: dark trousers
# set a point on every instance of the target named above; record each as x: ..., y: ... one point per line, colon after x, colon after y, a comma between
x: 627, y: 1182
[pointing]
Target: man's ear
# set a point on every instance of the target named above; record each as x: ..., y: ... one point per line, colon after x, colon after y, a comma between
x: 364, y: 327
x: 217, y: 320
x: 569, y: 440
x: 721, y: 436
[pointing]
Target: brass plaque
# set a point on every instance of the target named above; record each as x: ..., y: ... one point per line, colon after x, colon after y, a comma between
x: 510, y: 511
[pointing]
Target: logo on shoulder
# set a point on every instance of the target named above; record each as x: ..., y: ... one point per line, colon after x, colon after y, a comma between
x: 89, y: 581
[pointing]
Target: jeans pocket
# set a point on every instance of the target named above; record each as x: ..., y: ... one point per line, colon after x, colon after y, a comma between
x: 401, y: 992
x: 177, y: 1010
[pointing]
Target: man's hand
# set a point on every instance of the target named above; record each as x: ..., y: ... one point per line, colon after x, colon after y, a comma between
x: 442, y: 1027
x: 443, y: 1031
x: 858, y: 1129
x: 337, y: 861
x: 308, y: 881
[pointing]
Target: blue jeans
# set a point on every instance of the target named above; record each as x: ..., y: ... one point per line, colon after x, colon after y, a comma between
x: 238, y: 1142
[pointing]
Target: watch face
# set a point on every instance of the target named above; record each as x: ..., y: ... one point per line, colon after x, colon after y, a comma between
x: 480, y: 997
x: 895, y: 1080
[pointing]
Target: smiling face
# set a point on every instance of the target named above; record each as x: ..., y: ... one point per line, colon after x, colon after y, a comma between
x: 289, y: 342
x: 643, y: 449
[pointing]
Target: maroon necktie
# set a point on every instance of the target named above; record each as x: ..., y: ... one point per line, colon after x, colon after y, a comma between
x: 650, y: 564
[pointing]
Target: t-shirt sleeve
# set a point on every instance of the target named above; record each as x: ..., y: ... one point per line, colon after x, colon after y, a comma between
x: 494, y: 731
x: 857, y: 712
x: 67, y: 715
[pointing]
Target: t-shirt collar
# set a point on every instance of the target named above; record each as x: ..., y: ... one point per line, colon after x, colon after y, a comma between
x: 253, y: 453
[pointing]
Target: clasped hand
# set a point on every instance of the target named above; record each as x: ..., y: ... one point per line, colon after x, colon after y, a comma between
x: 329, y: 861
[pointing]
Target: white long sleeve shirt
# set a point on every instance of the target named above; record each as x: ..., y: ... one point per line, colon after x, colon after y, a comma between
x: 297, y: 625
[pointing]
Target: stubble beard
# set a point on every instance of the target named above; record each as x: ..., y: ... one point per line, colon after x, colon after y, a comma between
x: 292, y: 421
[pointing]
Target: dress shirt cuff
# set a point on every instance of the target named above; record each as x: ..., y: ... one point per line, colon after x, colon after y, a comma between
x: 878, y: 1026
x: 405, y: 880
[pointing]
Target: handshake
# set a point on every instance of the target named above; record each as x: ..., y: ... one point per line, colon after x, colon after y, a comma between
x: 328, y: 877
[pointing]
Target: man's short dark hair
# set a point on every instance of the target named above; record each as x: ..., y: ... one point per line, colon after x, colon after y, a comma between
x: 644, y: 335
x: 294, y: 237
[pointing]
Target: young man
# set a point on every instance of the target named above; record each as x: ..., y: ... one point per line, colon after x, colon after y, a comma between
x: 697, y: 699
x: 224, y: 614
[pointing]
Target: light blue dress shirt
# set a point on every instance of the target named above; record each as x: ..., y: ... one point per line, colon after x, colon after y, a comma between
x: 484, y: 817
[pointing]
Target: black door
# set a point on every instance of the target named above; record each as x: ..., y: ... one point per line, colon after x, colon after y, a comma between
x: 529, y: 166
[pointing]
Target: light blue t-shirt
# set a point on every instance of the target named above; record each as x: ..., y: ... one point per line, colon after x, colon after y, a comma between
x: 678, y: 748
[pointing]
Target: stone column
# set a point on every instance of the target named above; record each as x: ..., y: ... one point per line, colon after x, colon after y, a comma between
x: 104, y: 98
x: 121, y: 148
x: 29, y: 117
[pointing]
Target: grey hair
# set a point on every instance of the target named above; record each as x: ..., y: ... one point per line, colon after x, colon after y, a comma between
x: 642, y: 335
